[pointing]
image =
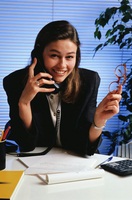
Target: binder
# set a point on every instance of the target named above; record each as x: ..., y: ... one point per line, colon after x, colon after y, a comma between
x: 9, y: 183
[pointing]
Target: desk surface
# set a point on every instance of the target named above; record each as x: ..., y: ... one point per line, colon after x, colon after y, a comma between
x: 110, y: 187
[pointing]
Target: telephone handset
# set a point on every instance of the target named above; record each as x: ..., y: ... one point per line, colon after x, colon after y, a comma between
x: 55, y: 85
x: 36, y: 53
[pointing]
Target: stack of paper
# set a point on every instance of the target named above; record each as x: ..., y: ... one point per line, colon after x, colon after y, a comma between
x: 59, y: 166
x: 57, y: 161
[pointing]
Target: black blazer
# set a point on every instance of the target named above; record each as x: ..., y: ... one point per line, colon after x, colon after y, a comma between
x: 76, y: 119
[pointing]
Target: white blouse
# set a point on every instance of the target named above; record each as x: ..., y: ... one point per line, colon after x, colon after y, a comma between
x: 55, y: 110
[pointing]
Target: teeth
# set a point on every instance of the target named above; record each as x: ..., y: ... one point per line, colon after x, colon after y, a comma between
x: 60, y: 72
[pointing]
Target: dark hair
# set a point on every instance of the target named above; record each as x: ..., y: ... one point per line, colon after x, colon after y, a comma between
x: 60, y: 30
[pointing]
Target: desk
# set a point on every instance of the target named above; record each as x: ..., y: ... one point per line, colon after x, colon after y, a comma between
x: 110, y: 187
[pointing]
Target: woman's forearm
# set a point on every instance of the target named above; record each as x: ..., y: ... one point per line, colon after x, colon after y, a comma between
x: 25, y: 114
x: 108, y: 107
x: 94, y: 133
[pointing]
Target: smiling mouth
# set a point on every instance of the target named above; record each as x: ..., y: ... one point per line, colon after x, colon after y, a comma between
x: 60, y: 72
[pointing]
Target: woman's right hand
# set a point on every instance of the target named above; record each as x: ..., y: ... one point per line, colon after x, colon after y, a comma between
x: 34, y: 83
x: 30, y: 91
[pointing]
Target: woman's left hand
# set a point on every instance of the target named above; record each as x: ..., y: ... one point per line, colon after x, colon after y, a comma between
x: 108, y: 107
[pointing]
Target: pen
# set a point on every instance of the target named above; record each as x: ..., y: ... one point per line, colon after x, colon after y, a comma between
x: 107, y: 160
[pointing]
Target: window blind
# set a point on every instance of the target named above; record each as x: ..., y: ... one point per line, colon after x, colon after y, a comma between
x: 20, y: 22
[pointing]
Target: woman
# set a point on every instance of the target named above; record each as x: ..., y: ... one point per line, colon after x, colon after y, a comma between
x: 43, y: 115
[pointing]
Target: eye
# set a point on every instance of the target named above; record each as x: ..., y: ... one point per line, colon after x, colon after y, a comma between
x: 53, y: 55
x: 69, y: 57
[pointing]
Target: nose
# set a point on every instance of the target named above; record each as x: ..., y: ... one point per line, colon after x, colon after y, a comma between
x: 62, y: 63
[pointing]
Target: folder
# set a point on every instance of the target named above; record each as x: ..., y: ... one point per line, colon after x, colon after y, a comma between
x: 9, y: 183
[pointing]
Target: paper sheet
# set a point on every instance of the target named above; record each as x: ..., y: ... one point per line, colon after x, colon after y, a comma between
x: 57, y: 161
x: 72, y: 176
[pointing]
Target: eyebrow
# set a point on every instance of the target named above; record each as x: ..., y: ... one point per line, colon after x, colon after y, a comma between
x: 54, y: 50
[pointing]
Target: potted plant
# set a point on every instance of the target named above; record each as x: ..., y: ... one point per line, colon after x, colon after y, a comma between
x: 118, y: 33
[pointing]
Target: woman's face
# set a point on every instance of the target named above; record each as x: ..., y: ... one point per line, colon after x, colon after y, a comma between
x: 60, y: 59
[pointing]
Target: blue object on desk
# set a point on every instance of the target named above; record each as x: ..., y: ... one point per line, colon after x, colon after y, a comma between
x: 12, y: 146
x: 107, y: 160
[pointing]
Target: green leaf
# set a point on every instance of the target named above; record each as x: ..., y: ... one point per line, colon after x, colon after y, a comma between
x: 108, y: 14
x: 103, y: 22
x: 114, y: 23
x: 113, y: 10
x: 124, y: 2
x: 129, y: 43
x: 123, y: 8
x: 127, y: 16
x: 114, y: 30
x: 98, y: 47
x: 106, y: 43
x: 112, y: 39
x: 98, y: 35
x: 123, y: 118
x: 128, y: 30
x: 96, y: 22
x: 121, y: 27
x: 108, y: 33
x: 122, y: 45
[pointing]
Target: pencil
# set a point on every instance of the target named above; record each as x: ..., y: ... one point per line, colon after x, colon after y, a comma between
x: 1, y: 137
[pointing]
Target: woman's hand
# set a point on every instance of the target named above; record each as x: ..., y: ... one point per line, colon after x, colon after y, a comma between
x: 33, y: 86
x: 108, y: 107
x: 34, y: 83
